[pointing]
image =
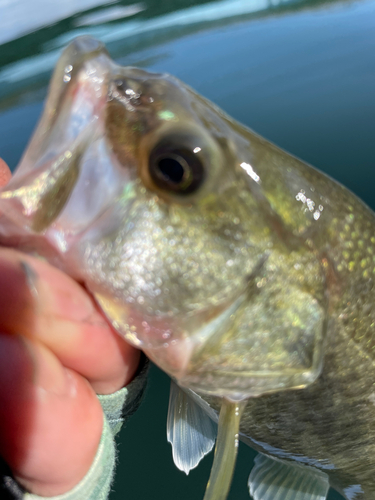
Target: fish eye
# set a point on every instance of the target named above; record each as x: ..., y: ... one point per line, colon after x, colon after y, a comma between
x: 175, y: 165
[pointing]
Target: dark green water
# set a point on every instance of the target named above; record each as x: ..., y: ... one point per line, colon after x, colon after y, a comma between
x: 301, y: 74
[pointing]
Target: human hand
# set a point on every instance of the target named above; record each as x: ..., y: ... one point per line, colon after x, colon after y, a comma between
x: 57, y: 351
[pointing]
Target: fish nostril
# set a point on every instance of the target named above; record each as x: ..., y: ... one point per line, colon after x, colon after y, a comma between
x: 125, y: 89
x: 136, y: 82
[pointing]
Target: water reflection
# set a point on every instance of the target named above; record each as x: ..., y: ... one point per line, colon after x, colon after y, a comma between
x: 110, y: 14
x: 56, y: 24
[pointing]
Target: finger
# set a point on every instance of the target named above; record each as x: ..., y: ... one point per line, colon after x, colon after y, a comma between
x: 5, y: 173
x: 42, y: 303
x: 50, y: 419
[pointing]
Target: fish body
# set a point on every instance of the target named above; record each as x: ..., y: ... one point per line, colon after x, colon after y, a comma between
x: 329, y: 424
x: 244, y: 273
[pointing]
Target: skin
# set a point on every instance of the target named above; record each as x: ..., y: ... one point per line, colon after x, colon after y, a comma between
x: 57, y: 352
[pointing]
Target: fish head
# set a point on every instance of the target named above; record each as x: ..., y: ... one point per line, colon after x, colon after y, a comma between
x: 158, y: 202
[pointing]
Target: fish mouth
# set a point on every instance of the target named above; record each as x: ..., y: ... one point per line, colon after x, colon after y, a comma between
x: 51, y: 168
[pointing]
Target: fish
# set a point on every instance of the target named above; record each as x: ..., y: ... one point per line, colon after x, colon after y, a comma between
x: 242, y: 272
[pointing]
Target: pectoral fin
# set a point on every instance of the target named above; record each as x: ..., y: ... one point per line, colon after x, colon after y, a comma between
x: 272, y: 479
x: 190, y: 430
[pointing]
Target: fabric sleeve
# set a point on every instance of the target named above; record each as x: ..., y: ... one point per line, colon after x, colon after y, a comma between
x: 96, y: 485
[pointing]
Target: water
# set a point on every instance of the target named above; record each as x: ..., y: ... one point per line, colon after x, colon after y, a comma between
x: 301, y: 73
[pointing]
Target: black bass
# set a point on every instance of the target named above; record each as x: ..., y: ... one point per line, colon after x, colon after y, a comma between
x: 242, y: 272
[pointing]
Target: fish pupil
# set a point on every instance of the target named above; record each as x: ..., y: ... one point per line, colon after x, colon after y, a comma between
x: 172, y: 169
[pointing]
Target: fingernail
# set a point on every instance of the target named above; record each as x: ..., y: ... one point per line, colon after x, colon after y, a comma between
x: 31, y: 277
x: 30, y: 286
x: 16, y: 300
x: 5, y: 173
x: 55, y: 292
